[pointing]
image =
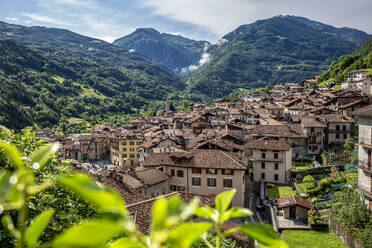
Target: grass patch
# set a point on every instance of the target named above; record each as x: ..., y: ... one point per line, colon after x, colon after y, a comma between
x: 280, y: 192
x: 351, y: 177
x: 91, y: 92
x: 75, y: 120
x: 337, y: 87
x: 312, y: 239
x: 303, y: 165
x: 59, y: 79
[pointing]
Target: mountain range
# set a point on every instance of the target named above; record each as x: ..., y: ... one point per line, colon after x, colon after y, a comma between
x: 61, y: 75
x: 51, y: 75
x: 173, y: 51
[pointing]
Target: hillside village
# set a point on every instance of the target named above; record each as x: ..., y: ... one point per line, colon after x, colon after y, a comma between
x: 267, y: 145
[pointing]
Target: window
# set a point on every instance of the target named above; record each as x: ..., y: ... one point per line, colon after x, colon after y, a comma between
x: 196, y: 170
x: 227, y: 172
x: 173, y: 187
x: 124, y: 143
x: 124, y: 155
x: 124, y: 149
x: 181, y: 188
x: 172, y: 172
x: 276, y: 177
x: 276, y: 155
x: 211, y: 171
x: 344, y: 127
x: 211, y: 182
x: 227, y: 183
x: 179, y: 173
x: 131, y: 155
x: 338, y: 127
x: 263, y: 165
x: 131, y: 149
x: 337, y: 135
x: 131, y: 143
x: 138, y: 155
x: 345, y: 136
x: 196, y: 181
x: 263, y: 155
x: 276, y: 166
x: 262, y: 175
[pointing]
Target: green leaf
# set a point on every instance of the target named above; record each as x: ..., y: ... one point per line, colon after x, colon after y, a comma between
x: 125, y: 243
x: 40, y: 157
x: 104, y: 198
x: 186, y: 234
x: 91, y: 234
x: 235, y: 212
x: 37, y: 227
x: 11, y: 153
x: 207, y: 212
x: 159, y: 214
x: 8, y: 223
x: 5, y: 185
x: 224, y: 199
x: 263, y: 233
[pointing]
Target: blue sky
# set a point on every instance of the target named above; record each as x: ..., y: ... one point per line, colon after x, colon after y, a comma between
x: 197, y: 19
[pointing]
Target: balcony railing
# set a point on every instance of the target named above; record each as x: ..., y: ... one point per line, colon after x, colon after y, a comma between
x: 341, y: 130
x: 365, y: 166
x: 317, y: 133
x: 365, y: 142
x: 260, y: 159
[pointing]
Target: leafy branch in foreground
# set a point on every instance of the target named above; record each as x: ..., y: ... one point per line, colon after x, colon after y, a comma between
x: 17, y: 187
x: 171, y: 225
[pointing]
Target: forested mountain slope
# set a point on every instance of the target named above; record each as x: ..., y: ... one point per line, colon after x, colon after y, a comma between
x: 173, y: 51
x: 360, y: 59
x: 281, y: 49
x: 65, y: 75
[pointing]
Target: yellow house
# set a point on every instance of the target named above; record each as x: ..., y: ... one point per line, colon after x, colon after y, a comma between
x: 124, y: 149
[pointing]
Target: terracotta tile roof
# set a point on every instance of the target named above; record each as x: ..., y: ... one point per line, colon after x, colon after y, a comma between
x: 151, y: 176
x: 141, y: 211
x: 287, y: 131
x: 114, y: 180
x: 311, y: 122
x: 132, y: 181
x: 294, y: 201
x: 269, y: 145
x: 363, y: 112
x: 200, y: 158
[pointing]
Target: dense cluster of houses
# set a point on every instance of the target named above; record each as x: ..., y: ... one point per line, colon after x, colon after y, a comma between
x: 212, y: 148
x: 360, y: 80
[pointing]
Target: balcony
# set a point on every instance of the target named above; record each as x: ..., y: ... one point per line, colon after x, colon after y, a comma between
x: 366, y: 193
x: 363, y: 165
x: 347, y: 130
x: 365, y: 142
x: 260, y: 159
x: 318, y: 133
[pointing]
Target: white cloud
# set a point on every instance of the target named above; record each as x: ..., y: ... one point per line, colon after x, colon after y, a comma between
x: 45, y: 19
x: 12, y: 19
x: 74, y: 3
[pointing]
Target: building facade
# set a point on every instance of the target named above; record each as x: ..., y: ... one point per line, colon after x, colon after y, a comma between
x: 271, y: 161
x: 203, y: 172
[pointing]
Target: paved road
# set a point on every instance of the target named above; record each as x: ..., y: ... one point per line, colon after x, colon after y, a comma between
x: 251, y: 202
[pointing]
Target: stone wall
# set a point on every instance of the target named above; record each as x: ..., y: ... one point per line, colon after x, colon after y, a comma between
x: 337, y: 228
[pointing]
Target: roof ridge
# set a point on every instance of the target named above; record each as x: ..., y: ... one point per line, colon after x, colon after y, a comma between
x: 232, y: 158
x: 152, y: 199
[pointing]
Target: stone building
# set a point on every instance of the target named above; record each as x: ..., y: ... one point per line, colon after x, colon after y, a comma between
x: 203, y: 172
x: 271, y: 160
x: 365, y: 153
